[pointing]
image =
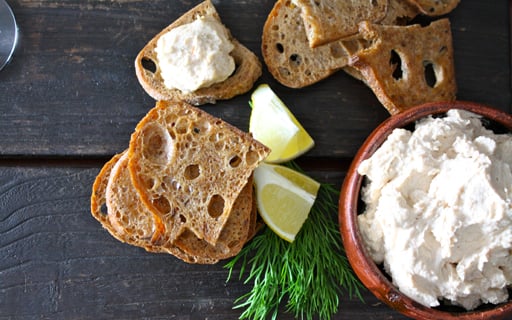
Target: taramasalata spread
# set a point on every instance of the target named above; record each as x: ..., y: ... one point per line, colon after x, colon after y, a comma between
x: 195, y: 55
x: 439, y: 210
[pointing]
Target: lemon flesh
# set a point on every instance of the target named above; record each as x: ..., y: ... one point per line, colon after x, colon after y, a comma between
x: 284, y: 198
x: 273, y: 124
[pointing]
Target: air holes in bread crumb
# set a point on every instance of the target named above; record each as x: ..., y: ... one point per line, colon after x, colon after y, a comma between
x: 157, y: 144
x: 430, y: 74
x: 279, y: 48
x: 216, y: 206
x: 162, y: 204
x: 235, y: 161
x: 148, y: 64
x: 251, y: 157
x: 295, y: 59
x: 192, y: 171
x: 396, y: 63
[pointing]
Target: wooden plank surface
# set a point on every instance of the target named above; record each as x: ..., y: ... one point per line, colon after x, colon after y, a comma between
x: 70, y: 99
x: 58, y: 263
x: 71, y: 89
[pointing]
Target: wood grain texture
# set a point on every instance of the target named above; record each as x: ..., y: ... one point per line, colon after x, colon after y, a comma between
x: 71, y: 88
x: 58, y: 263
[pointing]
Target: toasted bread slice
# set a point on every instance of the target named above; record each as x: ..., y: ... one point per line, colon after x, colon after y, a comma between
x: 421, y: 52
x: 98, y: 196
x: 435, y: 7
x: 191, y: 166
x: 287, y: 54
x: 234, y: 235
x: 131, y: 221
x: 248, y: 67
x: 330, y: 20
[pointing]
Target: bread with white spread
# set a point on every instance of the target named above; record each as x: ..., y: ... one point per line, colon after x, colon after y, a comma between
x: 248, y: 66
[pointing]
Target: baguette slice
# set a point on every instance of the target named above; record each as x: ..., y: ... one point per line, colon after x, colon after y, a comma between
x: 190, y: 167
x: 402, y: 84
x: 248, y: 67
x: 287, y: 54
x: 330, y: 20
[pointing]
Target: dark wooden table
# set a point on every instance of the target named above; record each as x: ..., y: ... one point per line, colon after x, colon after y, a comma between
x: 70, y: 100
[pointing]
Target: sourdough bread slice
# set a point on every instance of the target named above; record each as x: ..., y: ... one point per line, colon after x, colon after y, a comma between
x: 133, y: 223
x: 400, y: 61
x: 98, y: 196
x: 330, y: 20
x: 248, y: 66
x: 234, y: 235
x: 190, y: 167
x: 287, y: 54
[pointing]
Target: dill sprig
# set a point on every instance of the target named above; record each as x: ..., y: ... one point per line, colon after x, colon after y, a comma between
x: 307, y: 276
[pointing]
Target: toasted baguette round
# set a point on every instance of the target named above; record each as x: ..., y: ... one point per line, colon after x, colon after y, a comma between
x: 191, y: 166
x: 248, y: 67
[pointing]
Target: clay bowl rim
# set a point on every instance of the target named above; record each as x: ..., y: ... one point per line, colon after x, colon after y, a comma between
x: 364, y: 267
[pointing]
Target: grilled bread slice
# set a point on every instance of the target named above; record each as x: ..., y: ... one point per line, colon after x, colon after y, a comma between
x: 408, y: 65
x: 190, y: 167
x: 248, y: 66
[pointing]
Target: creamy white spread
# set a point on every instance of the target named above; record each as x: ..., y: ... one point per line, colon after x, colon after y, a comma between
x: 438, y: 210
x: 195, y: 55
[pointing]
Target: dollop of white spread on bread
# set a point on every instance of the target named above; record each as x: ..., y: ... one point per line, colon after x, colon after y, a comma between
x: 438, y: 210
x: 195, y: 55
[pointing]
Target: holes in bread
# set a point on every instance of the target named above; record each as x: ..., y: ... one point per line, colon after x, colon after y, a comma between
x: 430, y: 73
x: 162, y: 204
x: 251, y: 157
x: 396, y: 64
x: 104, y: 209
x: 279, y: 47
x: 216, y: 206
x: 192, y: 171
x: 148, y: 64
x: 295, y: 59
x: 157, y: 144
x: 235, y: 161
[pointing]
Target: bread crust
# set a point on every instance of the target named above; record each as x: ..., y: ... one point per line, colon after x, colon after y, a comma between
x: 248, y: 67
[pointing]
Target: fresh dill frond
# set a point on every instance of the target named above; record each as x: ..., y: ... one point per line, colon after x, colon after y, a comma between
x: 307, y: 276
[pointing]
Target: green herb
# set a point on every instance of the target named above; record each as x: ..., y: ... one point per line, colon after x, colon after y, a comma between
x: 307, y: 276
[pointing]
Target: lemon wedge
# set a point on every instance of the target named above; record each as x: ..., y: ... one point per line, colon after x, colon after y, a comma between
x: 284, y: 198
x: 273, y: 124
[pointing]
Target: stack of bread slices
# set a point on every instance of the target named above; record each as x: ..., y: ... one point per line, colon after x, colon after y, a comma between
x: 306, y: 41
x: 184, y: 185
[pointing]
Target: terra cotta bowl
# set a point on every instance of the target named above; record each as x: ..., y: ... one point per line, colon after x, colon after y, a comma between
x: 372, y: 275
